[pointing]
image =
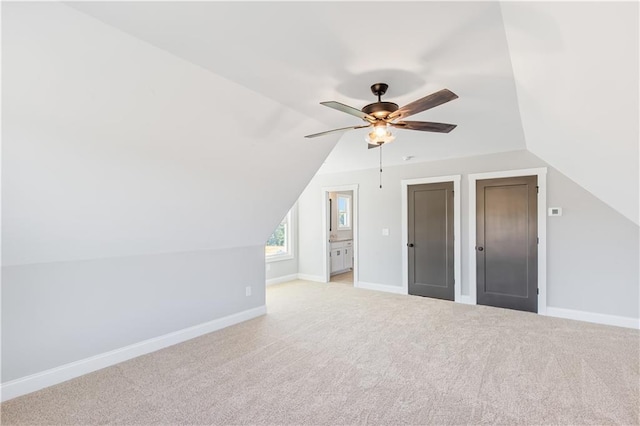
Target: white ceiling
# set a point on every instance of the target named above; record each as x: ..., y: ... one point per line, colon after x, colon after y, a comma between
x: 569, y: 68
x: 111, y: 147
x: 145, y: 127
x: 577, y: 84
x: 299, y: 54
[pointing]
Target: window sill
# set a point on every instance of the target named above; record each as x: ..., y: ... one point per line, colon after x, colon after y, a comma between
x: 279, y: 258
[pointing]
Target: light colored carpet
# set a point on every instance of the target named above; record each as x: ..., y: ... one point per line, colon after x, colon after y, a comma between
x: 334, y: 354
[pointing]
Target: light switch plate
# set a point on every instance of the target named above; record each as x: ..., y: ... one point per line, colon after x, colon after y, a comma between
x: 555, y: 211
x: 385, y: 232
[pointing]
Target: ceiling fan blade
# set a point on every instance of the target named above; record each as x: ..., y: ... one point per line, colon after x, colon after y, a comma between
x: 349, y: 110
x: 328, y: 132
x: 425, y: 126
x: 428, y: 102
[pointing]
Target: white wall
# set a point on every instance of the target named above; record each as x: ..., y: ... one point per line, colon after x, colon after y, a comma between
x: 60, y: 312
x: 281, y: 269
x: 130, y: 180
x: 593, y: 250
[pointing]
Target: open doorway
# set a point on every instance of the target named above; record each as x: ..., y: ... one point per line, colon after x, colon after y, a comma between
x: 340, y: 224
x: 341, y: 237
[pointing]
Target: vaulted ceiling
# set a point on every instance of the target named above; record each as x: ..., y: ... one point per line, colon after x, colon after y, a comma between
x: 144, y: 127
x: 557, y: 78
x: 301, y: 53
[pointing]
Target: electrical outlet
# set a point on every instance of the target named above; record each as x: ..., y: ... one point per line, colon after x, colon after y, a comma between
x: 385, y: 232
x: 248, y: 290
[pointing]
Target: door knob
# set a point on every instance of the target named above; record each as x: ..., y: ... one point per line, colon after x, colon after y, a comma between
x: 480, y: 248
x: 410, y: 245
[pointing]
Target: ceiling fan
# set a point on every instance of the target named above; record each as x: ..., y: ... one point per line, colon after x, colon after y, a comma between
x: 382, y: 115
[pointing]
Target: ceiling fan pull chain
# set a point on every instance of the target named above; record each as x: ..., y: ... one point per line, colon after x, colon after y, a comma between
x: 381, y: 165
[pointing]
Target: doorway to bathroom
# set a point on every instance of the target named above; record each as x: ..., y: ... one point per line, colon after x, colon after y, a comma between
x: 340, y: 223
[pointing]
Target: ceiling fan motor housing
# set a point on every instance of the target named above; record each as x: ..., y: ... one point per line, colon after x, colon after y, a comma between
x: 380, y: 109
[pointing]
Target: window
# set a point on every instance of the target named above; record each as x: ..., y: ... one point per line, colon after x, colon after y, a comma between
x: 278, y: 246
x: 344, y: 211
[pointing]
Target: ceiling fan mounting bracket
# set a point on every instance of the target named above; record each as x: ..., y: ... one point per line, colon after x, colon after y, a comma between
x: 379, y: 89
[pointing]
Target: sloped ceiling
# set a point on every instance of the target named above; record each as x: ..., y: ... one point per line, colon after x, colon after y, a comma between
x: 112, y: 147
x: 575, y: 66
x: 301, y: 53
x: 145, y: 127
x: 576, y: 72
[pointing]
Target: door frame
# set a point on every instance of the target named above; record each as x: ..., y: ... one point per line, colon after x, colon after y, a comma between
x: 541, y: 173
x: 457, y: 258
x: 325, y: 229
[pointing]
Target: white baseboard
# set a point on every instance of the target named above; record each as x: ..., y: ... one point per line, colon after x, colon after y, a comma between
x: 37, y: 381
x: 283, y: 279
x: 627, y: 322
x: 467, y: 300
x: 380, y: 287
x: 316, y: 278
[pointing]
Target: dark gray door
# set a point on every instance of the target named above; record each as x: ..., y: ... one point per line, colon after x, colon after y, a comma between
x: 430, y: 240
x: 507, y: 243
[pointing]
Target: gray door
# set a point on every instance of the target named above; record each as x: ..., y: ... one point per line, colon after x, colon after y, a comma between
x: 507, y: 243
x: 430, y: 240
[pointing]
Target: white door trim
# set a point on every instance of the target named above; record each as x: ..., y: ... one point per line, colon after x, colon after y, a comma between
x: 457, y: 258
x: 542, y: 229
x: 325, y: 229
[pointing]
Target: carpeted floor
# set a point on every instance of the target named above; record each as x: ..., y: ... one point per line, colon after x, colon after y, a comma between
x: 334, y: 354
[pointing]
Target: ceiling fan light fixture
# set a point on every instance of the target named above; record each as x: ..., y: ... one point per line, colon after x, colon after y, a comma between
x: 376, y: 138
x: 381, y: 130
